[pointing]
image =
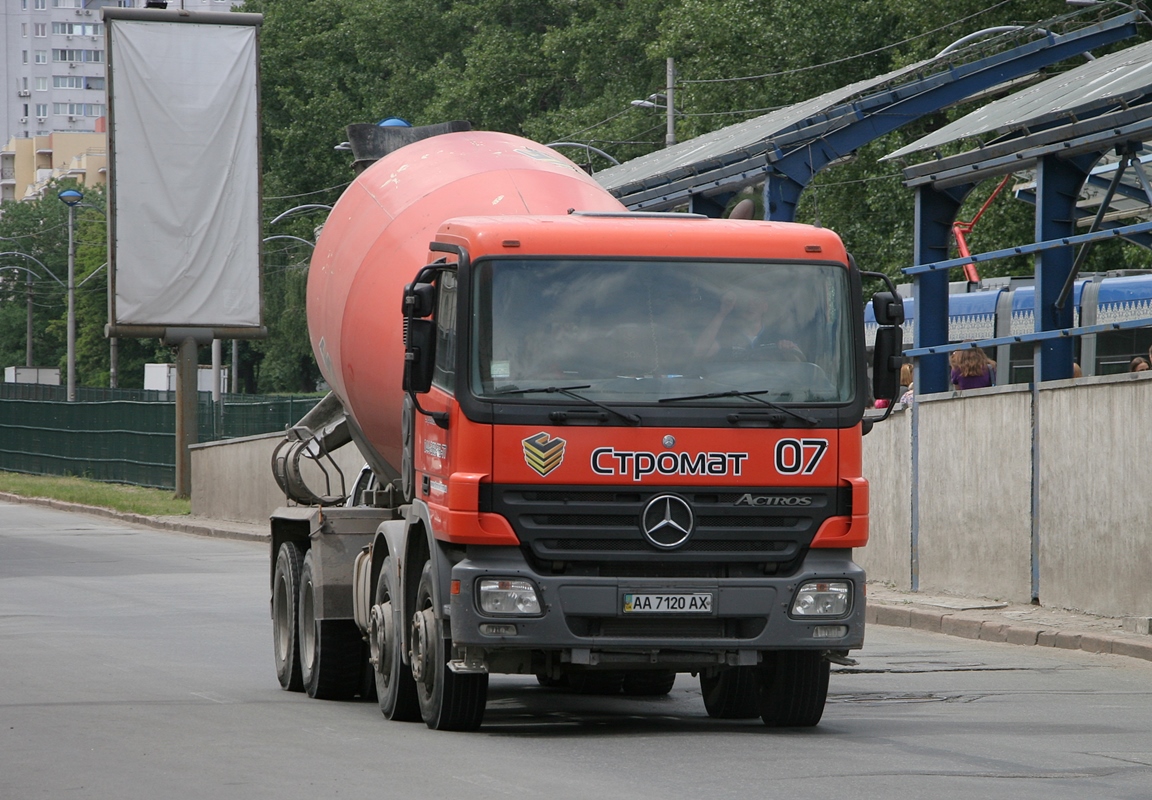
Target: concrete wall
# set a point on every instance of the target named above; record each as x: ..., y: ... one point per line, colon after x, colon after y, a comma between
x: 975, y: 494
x: 232, y: 479
x: 1095, y: 530
x: 970, y: 530
x: 888, y: 468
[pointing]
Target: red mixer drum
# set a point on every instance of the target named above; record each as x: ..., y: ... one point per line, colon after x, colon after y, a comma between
x: 376, y: 239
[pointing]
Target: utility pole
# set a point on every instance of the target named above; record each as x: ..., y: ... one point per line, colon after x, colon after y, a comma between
x: 28, y: 345
x: 113, y: 363
x: 71, y: 302
x: 71, y: 198
x: 670, y: 137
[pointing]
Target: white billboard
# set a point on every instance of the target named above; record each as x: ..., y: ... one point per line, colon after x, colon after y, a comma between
x: 184, y: 172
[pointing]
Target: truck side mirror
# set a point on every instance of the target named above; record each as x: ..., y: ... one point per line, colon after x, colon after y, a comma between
x: 419, y: 300
x: 888, y: 309
x: 886, y: 362
x: 419, y: 355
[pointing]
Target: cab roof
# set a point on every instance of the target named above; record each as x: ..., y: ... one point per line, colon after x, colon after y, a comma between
x: 632, y: 234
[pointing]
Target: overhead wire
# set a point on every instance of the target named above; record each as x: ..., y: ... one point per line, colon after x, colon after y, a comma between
x: 309, y: 194
x: 810, y: 67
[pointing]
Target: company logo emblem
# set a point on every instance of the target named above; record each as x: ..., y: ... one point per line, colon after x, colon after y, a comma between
x: 667, y: 521
x: 542, y: 453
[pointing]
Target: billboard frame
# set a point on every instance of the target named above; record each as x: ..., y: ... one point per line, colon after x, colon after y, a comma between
x: 176, y: 334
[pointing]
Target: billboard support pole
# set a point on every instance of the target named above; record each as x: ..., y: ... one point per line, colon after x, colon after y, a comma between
x: 187, y: 422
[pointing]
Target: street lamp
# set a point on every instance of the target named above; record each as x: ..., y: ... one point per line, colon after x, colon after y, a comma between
x: 669, y: 103
x: 71, y: 198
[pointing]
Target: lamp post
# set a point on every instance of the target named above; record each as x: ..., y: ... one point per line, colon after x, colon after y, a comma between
x: 71, y: 198
x: 669, y: 106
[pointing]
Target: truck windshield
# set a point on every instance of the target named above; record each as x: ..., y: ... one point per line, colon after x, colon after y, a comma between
x: 652, y: 331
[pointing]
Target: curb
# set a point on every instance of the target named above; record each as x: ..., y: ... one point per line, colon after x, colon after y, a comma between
x: 971, y: 626
x: 174, y: 524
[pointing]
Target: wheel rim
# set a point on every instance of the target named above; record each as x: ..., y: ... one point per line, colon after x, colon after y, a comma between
x: 423, y: 649
x: 307, y: 627
x: 281, y: 613
x: 380, y: 634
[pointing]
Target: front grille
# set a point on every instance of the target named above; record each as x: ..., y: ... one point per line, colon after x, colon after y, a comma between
x: 563, y: 528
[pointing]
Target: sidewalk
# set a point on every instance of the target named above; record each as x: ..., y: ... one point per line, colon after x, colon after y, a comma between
x: 995, y: 621
x: 989, y: 620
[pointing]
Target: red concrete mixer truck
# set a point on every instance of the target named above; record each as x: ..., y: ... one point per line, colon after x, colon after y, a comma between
x: 604, y: 448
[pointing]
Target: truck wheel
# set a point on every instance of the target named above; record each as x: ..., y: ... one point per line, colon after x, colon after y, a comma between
x: 448, y: 702
x: 732, y: 693
x: 395, y: 687
x: 285, y: 634
x: 648, y: 682
x: 793, y: 688
x: 330, y: 649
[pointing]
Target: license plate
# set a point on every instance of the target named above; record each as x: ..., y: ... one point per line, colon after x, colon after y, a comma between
x: 653, y: 603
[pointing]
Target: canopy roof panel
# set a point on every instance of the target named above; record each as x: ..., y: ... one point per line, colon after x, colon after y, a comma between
x: 738, y: 142
x: 1109, y: 83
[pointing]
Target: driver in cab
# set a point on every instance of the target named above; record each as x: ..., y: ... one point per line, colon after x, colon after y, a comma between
x: 742, y: 329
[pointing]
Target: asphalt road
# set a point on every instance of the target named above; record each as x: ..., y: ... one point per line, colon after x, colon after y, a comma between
x: 138, y: 664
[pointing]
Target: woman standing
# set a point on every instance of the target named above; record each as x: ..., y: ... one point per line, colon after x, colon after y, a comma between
x: 972, y: 369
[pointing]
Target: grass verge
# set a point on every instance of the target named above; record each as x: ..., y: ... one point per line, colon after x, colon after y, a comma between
x: 117, y: 496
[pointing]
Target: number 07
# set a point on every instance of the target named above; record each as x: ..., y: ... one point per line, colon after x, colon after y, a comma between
x: 799, y: 456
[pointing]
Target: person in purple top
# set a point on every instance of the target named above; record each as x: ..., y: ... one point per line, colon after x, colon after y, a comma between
x: 972, y: 369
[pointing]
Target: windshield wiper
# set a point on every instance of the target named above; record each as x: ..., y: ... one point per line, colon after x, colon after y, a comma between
x: 747, y: 395
x: 569, y: 391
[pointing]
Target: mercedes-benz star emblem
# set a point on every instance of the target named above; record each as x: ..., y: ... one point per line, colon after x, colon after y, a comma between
x: 667, y: 521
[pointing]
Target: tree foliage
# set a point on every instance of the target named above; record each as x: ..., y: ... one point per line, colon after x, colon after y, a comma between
x: 555, y: 71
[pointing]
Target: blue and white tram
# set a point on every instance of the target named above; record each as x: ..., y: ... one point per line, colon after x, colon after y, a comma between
x: 1006, y: 307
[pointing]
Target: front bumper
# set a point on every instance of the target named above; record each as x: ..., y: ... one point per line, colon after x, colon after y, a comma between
x: 582, y: 617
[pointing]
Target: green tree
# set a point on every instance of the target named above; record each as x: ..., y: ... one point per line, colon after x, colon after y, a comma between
x: 34, y: 236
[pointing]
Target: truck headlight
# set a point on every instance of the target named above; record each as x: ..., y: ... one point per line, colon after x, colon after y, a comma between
x: 823, y: 599
x: 508, y: 596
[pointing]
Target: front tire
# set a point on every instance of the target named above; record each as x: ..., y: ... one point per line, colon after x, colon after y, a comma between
x: 331, y: 650
x: 285, y: 633
x: 448, y: 701
x: 395, y: 687
x: 793, y: 688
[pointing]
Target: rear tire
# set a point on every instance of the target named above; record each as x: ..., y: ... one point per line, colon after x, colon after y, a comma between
x: 448, y: 701
x: 649, y: 683
x: 732, y: 693
x: 331, y: 650
x: 793, y: 688
x: 395, y: 687
x: 285, y: 633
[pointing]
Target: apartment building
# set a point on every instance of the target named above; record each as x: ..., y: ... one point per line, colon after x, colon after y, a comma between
x: 29, y: 163
x: 52, y: 64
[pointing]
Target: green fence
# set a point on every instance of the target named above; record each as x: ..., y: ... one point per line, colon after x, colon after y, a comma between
x: 123, y: 435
